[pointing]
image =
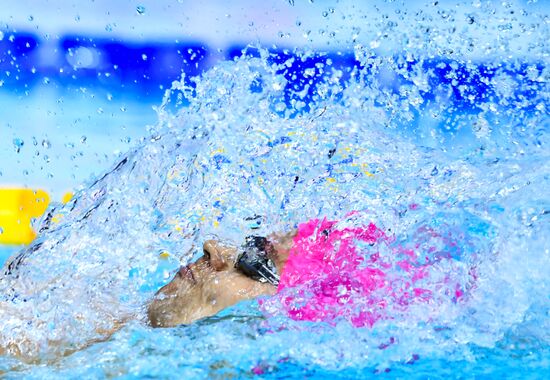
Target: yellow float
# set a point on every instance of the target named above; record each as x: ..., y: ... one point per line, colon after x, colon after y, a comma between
x: 17, y: 208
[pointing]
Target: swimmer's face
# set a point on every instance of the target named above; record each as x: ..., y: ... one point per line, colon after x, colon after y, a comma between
x: 204, y: 287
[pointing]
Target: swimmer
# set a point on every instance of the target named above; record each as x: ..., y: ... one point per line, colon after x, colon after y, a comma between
x: 319, y: 272
x: 323, y: 271
x: 222, y: 277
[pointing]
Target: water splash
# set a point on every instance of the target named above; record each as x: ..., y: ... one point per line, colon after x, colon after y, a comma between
x: 422, y: 144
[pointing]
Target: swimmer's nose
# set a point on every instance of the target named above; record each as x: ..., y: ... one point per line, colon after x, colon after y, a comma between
x: 218, y: 255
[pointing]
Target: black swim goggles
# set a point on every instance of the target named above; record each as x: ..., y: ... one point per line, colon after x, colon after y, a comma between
x: 254, y: 260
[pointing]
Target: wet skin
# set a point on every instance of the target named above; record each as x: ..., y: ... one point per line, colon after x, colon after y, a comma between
x: 211, y: 284
x: 198, y: 290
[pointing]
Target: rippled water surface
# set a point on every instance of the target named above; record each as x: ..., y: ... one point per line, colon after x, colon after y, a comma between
x: 443, y: 143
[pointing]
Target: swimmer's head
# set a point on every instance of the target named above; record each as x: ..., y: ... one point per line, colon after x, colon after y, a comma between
x: 222, y: 277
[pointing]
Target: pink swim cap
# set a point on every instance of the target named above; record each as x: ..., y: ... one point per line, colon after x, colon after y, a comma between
x: 338, y: 272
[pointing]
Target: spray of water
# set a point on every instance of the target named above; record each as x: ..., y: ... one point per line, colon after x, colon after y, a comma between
x: 430, y: 149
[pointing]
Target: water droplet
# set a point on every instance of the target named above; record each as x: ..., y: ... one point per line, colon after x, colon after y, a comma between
x: 18, y: 144
x: 291, y: 2
x: 435, y: 171
x: 1, y: 35
x: 140, y: 9
x: 46, y: 80
x: 109, y: 97
x: 46, y: 144
x: 31, y: 18
x: 83, y: 139
x: 109, y: 27
x: 77, y: 18
x: 1, y: 230
x: 144, y: 57
x: 325, y: 13
x: 505, y: 27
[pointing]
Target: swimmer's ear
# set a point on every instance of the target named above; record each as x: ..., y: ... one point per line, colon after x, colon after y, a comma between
x: 282, y: 240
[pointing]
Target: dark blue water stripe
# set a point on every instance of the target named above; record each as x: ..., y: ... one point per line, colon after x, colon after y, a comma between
x: 150, y: 67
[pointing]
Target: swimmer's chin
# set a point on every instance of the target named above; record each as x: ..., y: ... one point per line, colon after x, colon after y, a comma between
x: 161, y: 316
x: 166, y: 311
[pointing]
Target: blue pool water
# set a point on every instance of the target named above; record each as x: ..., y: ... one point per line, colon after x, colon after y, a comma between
x: 442, y: 141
